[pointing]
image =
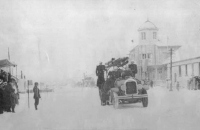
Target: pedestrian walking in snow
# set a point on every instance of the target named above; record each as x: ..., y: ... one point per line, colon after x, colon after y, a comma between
x: 36, y: 95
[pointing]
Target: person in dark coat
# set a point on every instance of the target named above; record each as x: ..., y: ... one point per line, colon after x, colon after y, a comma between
x: 36, y: 96
x: 100, y: 81
x: 100, y: 73
x: 3, y: 74
x: 109, y: 83
x: 133, y: 68
x: 13, y: 98
x: 7, y: 98
x: 1, y: 95
x: 9, y: 77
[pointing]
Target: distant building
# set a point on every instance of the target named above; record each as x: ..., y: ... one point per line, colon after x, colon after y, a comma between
x: 183, y: 70
x: 150, y: 54
x: 185, y: 65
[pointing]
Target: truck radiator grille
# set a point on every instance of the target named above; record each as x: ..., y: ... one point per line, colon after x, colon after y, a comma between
x: 131, y: 88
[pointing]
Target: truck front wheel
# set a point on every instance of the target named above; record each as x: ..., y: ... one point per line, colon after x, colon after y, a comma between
x: 144, y: 100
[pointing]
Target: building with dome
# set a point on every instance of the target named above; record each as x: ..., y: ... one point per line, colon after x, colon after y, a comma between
x: 150, y: 54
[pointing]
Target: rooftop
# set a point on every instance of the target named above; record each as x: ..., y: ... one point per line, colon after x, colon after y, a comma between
x: 186, y: 52
x: 148, y: 26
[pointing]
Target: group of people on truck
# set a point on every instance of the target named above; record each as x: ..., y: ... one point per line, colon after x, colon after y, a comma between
x: 105, y: 86
x: 8, y: 95
x: 6, y: 76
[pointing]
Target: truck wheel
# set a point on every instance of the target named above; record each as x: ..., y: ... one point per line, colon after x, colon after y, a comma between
x: 145, y: 102
x: 144, y: 91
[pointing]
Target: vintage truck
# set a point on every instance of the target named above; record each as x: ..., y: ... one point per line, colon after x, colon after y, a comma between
x: 121, y: 88
x: 128, y: 90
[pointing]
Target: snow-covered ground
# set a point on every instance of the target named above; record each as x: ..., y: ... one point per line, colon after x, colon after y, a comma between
x: 76, y: 108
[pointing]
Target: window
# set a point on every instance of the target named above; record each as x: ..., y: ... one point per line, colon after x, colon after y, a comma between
x: 154, y: 35
x: 149, y: 55
x: 186, y: 71
x: 143, y: 35
x: 179, y: 71
x: 143, y: 56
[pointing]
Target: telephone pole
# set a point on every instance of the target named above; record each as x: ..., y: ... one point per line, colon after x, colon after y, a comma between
x: 170, y: 64
x: 170, y: 69
x: 9, y: 60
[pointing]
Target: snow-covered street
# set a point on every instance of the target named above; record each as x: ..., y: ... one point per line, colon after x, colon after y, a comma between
x: 77, y: 108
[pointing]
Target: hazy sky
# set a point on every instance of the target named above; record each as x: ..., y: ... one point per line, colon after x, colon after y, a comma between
x: 74, y: 35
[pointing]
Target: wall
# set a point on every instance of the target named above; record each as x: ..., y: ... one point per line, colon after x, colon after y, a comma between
x: 192, y: 70
x: 149, y: 37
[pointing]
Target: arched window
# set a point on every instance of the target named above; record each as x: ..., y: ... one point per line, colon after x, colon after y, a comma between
x: 143, y: 35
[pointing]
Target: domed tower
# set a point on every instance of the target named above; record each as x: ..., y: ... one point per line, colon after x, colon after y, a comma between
x: 146, y: 52
x: 148, y: 33
x: 147, y: 48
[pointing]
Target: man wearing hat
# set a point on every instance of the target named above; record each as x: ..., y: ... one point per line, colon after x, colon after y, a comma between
x: 100, y: 81
x: 1, y: 94
x: 7, y: 98
x: 133, y: 68
x: 100, y: 73
x: 36, y: 95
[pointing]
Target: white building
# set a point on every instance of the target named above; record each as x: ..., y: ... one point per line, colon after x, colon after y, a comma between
x: 185, y: 65
x: 150, y: 54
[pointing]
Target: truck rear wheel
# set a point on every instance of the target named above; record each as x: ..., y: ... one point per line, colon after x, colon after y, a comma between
x: 144, y: 100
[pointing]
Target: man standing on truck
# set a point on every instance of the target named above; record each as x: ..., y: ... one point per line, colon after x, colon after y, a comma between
x: 100, y: 73
x: 133, y: 68
x: 100, y: 81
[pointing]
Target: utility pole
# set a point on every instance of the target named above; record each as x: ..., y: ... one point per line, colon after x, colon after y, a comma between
x: 170, y: 69
x: 9, y: 60
x: 170, y: 66
x: 171, y: 53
